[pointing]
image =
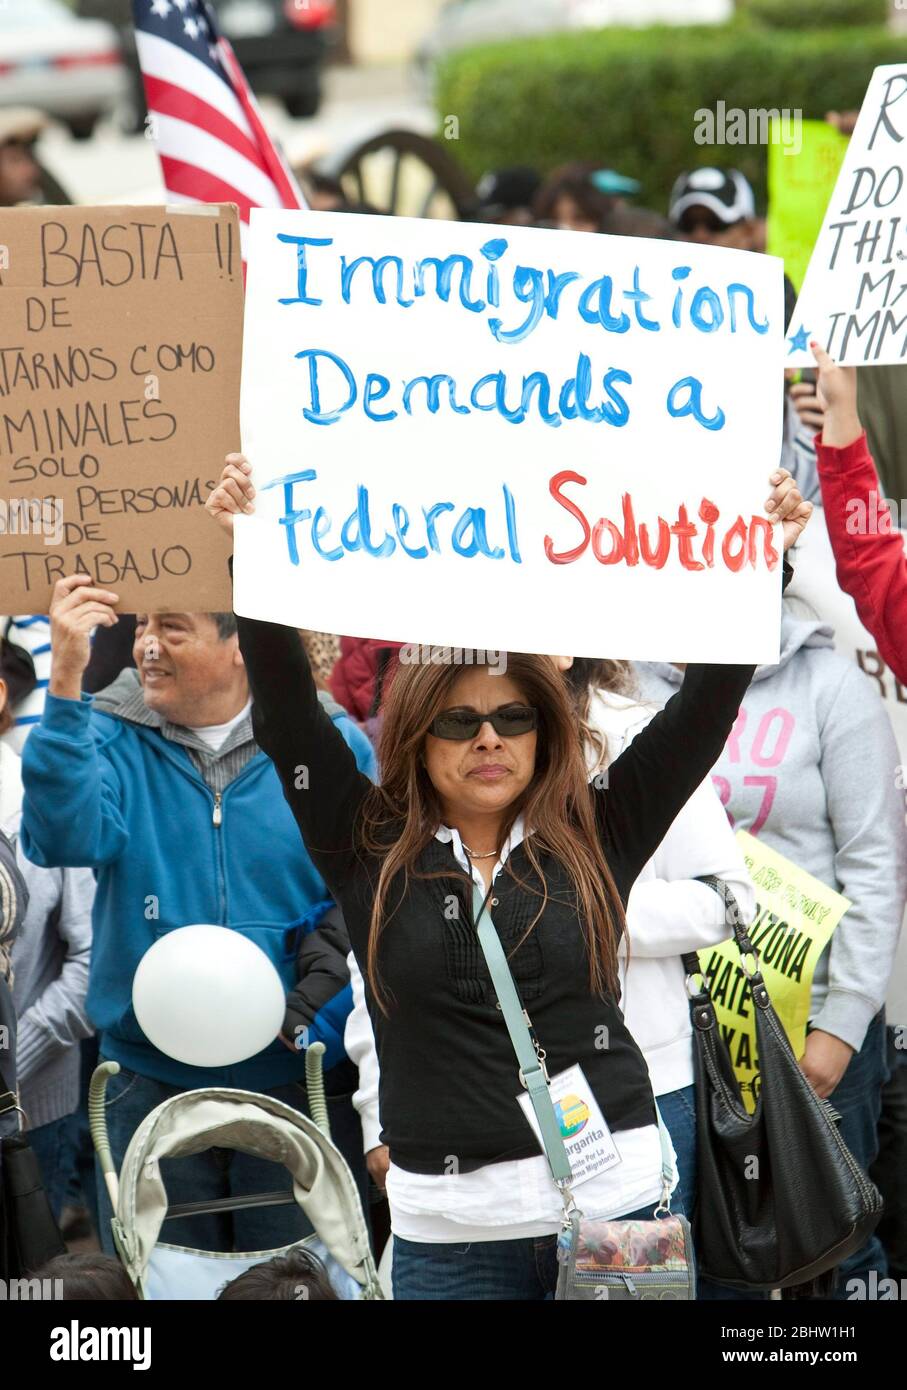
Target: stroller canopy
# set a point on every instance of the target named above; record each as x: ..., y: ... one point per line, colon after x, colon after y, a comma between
x: 254, y: 1124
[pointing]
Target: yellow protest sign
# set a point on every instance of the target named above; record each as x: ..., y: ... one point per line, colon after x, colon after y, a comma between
x: 799, y: 188
x: 795, y: 917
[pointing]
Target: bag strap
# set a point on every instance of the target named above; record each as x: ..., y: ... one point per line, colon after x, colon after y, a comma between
x: 9, y: 1100
x: 734, y: 919
x: 531, y: 1058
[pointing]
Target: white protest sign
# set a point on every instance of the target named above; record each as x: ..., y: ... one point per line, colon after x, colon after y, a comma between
x: 510, y: 438
x: 854, y: 295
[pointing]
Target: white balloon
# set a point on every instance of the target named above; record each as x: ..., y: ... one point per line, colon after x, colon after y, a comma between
x: 208, y: 996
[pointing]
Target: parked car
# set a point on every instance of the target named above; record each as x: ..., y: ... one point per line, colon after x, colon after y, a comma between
x: 67, y: 66
x: 281, y: 46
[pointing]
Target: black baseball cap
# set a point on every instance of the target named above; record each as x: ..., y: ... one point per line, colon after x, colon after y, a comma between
x: 502, y: 189
x: 725, y: 192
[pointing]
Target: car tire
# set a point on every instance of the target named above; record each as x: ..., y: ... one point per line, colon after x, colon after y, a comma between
x: 303, y: 103
x: 82, y: 127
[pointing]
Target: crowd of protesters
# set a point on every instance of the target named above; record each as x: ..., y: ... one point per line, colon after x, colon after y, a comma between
x: 157, y: 765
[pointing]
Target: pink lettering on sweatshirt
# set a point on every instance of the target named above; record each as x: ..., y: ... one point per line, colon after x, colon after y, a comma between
x: 767, y: 748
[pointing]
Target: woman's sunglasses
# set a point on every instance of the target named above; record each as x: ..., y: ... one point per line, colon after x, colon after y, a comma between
x: 508, y: 721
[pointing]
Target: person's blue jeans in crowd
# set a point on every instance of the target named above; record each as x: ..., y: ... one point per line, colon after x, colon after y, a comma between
x: 82, y: 1188
x: 858, y: 1100
x: 678, y: 1110
x: 224, y: 1172
x: 889, y: 1171
x: 51, y: 1146
x: 524, y: 1270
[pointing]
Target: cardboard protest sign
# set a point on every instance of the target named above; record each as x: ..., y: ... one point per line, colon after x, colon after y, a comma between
x: 853, y: 297
x: 799, y: 188
x: 119, y: 390
x: 510, y: 438
x: 795, y: 917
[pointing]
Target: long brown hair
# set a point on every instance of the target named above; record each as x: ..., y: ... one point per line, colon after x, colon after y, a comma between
x: 400, y: 816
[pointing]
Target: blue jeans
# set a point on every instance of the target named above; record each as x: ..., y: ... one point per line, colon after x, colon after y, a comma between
x: 858, y: 1099
x: 51, y: 1146
x: 889, y: 1172
x: 220, y: 1172
x: 82, y: 1189
x: 524, y: 1270
x: 678, y: 1110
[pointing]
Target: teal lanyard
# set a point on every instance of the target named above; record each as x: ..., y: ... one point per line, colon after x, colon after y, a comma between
x: 532, y: 1070
x: 531, y: 1060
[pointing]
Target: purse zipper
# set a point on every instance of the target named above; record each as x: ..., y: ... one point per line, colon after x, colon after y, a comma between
x: 628, y: 1282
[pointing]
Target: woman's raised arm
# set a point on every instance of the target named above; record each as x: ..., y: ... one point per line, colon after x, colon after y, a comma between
x: 318, y: 771
x: 658, y: 773
x: 655, y: 776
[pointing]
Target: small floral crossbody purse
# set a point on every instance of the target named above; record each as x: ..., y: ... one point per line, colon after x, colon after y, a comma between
x: 597, y: 1259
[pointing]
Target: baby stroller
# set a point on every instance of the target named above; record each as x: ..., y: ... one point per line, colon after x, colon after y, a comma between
x: 255, y: 1124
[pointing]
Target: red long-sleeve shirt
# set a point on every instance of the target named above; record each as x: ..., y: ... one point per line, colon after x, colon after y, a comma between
x: 869, y: 549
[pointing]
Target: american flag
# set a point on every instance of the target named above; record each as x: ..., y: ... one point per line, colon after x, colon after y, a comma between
x: 203, y: 117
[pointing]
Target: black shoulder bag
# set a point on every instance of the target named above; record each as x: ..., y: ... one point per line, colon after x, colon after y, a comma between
x: 805, y: 1204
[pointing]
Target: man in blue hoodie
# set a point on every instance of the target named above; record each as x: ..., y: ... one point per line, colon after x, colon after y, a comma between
x: 157, y: 784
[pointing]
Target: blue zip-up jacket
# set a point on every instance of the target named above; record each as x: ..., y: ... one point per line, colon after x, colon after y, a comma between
x: 115, y: 795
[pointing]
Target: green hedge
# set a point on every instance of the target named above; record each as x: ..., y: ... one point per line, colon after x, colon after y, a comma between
x: 816, y: 14
x: 627, y: 98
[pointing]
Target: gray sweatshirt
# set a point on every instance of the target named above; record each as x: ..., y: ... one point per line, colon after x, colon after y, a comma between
x: 50, y: 967
x: 810, y: 769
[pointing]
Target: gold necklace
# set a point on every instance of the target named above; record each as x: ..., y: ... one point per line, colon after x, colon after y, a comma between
x: 472, y: 854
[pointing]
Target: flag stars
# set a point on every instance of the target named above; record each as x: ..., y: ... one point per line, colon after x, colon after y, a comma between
x: 190, y: 27
x: 161, y: 8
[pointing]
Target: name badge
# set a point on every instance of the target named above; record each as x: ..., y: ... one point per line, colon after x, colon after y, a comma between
x: 587, y: 1138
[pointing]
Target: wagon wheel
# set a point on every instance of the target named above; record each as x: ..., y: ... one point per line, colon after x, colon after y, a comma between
x: 402, y: 172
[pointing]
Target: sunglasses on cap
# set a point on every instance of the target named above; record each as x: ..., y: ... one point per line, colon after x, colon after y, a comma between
x: 508, y: 721
x: 694, y: 218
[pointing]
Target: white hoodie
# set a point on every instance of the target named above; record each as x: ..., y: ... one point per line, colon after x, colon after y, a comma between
x: 668, y: 913
x: 11, y: 789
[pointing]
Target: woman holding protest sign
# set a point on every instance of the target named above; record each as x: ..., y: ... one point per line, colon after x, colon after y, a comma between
x: 485, y: 783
